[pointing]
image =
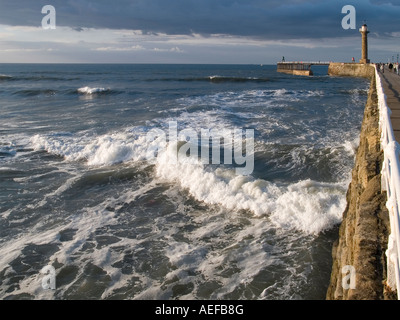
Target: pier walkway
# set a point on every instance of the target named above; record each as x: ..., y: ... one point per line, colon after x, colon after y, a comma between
x: 391, y: 88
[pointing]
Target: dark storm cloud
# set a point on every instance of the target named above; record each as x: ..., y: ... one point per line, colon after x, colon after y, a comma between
x: 255, y: 18
x: 393, y: 2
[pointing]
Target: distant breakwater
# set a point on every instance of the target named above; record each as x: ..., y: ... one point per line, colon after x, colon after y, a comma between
x: 351, y: 70
x: 363, y: 234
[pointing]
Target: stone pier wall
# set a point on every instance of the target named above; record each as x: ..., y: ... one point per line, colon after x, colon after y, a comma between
x: 364, y: 231
x: 351, y: 70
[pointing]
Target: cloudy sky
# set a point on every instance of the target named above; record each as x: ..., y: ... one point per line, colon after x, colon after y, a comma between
x: 195, y: 31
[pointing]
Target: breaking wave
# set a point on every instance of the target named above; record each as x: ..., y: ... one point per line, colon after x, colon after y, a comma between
x: 308, y: 206
x: 5, y: 77
x: 89, y: 90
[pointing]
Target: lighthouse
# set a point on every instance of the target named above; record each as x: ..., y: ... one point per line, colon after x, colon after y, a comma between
x: 364, y: 46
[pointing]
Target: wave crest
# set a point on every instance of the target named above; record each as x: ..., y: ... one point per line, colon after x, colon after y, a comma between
x: 89, y: 90
x: 5, y: 77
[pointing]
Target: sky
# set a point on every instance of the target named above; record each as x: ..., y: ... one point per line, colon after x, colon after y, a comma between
x: 196, y: 31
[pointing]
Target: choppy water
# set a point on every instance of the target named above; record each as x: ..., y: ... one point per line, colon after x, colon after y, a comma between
x: 78, y: 191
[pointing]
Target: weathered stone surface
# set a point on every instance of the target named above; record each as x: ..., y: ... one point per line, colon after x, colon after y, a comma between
x: 363, y: 234
x: 351, y: 70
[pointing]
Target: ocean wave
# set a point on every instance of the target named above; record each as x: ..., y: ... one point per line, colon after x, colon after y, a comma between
x: 284, y: 93
x: 36, y: 78
x: 356, y: 91
x: 94, y: 91
x: 222, y: 79
x: 308, y: 206
x: 36, y: 92
x: 5, y: 77
x: 89, y: 90
x: 250, y: 98
x: 105, y: 150
x: 46, y: 78
x: 7, y: 151
x: 212, y: 79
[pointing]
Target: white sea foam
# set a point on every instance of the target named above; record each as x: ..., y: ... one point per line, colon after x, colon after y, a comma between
x: 103, y: 150
x: 280, y: 92
x: 85, y: 223
x: 351, y: 146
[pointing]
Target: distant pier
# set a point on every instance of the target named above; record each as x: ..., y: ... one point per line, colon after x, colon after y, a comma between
x: 299, y: 68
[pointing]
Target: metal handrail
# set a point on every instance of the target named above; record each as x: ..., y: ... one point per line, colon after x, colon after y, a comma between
x: 391, y: 184
x: 305, y: 62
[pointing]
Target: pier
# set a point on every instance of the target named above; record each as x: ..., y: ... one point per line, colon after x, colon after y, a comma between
x: 299, y: 68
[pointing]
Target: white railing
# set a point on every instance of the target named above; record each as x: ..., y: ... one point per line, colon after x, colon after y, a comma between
x: 390, y: 184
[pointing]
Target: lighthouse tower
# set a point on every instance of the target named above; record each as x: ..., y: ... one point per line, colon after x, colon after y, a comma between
x: 364, y: 46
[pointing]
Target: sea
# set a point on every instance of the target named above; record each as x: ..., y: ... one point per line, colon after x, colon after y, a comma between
x: 92, y: 206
